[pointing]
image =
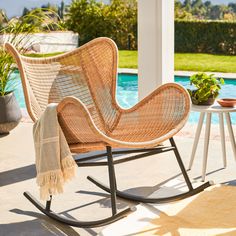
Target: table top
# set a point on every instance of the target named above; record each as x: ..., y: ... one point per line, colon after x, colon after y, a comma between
x: 213, y: 108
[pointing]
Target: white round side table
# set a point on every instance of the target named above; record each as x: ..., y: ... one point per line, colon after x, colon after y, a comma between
x: 222, y: 112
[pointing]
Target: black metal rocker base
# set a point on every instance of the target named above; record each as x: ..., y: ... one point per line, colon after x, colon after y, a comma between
x: 112, y: 189
x: 73, y: 222
x: 136, y: 198
x: 192, y: 191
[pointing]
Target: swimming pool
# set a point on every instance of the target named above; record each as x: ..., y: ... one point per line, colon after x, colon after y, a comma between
x: 127, y: 93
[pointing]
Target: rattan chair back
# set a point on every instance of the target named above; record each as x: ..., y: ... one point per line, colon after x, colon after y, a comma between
x: 88, y: 73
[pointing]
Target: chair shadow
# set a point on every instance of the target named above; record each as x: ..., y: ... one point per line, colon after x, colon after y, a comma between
x: 104, y: 202
x: 230, y: 183
x: 42, y: 226
x: 4, y: 135
x: 158, y: 190
x: 143, y: 191
x: 17, y: 175
x: 146, y: 191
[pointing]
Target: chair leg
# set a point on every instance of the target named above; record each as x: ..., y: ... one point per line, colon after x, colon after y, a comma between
x: 181, y: 165
x: 74, y: 222
x: 112, y: 179
x: 48, y: 204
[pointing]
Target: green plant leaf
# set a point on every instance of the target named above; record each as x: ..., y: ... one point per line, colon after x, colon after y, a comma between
x: 207, y: 86
x: 20, y: 35
x: 222, y: 81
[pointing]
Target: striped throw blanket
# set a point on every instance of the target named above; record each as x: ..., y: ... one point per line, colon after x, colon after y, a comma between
x: 54, y: 162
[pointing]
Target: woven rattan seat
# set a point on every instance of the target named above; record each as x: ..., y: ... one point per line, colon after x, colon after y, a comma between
x: 83, y: 83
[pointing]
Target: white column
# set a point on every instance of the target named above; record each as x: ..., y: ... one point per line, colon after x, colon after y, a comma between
x: 155, y: 44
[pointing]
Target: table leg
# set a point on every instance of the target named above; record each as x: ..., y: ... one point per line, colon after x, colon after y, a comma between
x: 231, y: 133
x: 222, y: 136
x: 206, y: 145
x: 196, y: 139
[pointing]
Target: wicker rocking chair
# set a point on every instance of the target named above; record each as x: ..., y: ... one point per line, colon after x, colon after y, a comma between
x: 83, y: 83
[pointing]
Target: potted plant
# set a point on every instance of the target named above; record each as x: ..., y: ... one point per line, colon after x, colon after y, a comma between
x: 19, y: 33
x: 10, y: 114
x: 206, y: 90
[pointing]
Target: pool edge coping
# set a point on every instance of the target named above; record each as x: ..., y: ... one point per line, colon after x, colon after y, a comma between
x: 182, y: 73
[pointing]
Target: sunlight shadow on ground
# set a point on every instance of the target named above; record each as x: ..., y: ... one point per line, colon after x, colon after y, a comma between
x: 17, y: 175
x: 209, y: 173
x: 209, y: 213
x: 42, y: 226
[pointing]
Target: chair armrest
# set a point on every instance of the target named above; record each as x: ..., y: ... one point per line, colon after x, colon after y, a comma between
x: 76, y: 121
x: 156, y: 118
x: 162, y: 95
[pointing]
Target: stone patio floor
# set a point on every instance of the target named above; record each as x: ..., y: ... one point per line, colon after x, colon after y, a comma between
x: 82, y: 199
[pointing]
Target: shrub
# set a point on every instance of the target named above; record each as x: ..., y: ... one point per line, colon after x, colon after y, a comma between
x: 91, y: 19
x: 216, y: 37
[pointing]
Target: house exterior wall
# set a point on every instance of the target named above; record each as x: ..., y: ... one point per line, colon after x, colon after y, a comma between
x: 59, y: 41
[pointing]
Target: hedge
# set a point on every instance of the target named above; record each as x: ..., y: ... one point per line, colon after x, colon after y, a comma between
x: 215, y: 37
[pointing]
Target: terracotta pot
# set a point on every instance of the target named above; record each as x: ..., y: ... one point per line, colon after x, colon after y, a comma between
x: 10, y: 113
x: 227, y: 102
x: 209, y: 102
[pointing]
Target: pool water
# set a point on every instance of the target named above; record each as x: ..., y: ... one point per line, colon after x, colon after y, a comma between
x: 127, y: 93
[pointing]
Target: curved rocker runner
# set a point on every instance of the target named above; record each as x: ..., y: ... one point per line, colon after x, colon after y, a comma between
x: 83, y: 83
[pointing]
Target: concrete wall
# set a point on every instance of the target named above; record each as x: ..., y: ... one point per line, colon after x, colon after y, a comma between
x: 47, y: 42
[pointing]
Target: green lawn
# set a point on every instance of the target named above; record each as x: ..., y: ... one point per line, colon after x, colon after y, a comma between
x: 187, y: 62
x: 128, y: 59
x: 205, y: 62
x: 43, y: 55
x: 183, y: 61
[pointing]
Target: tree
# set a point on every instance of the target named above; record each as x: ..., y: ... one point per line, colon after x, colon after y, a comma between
x: 3, y: 18
x: 25, y: 11
x: 187, y: 5
x: 49, y: 7
x: 207, y: 4
x: 92, y: 19
x: 229, y: 17
x: 232, y: 6
x: 178, y: 4
x: 197, y: 3
x: 181, y: 12
x: 123, y: 21
x: 216, y: 12
x: 43, y: 19
x: 85, y: 17
x: 61, y: 10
